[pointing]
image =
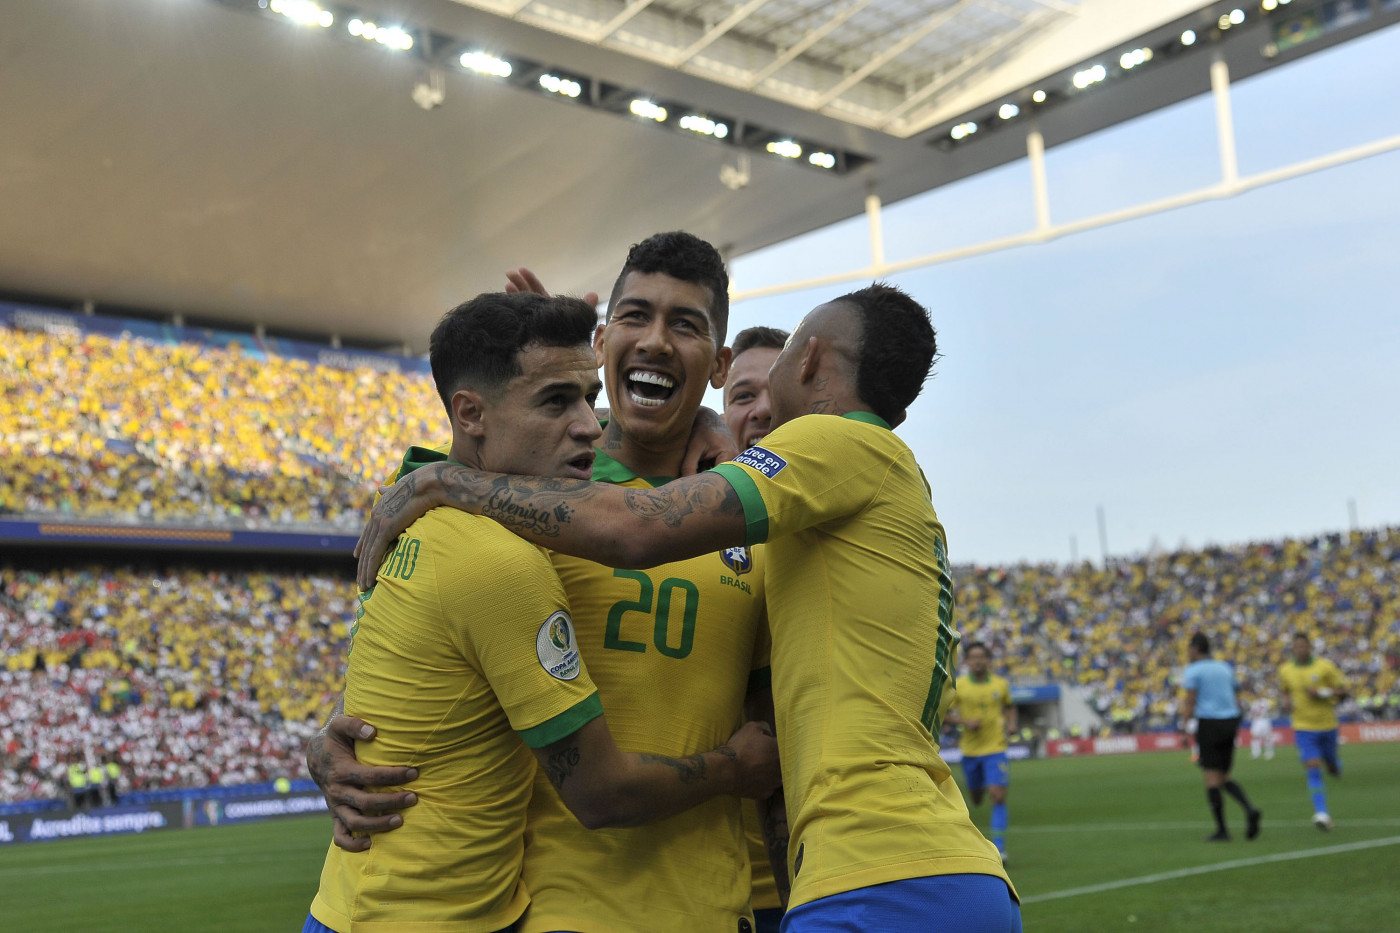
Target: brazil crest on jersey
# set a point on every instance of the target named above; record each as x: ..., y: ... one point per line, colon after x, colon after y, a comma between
x: 984, y: 702
x: 860, y: 608
x: 1310, y: 714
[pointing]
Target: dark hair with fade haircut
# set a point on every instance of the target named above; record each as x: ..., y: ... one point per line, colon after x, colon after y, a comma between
x: 756, y: 338
x: 972, y: 645
x: 1200, y: 642
x: 478, y: 343
x: 897, y: 349
x: 688, y: 258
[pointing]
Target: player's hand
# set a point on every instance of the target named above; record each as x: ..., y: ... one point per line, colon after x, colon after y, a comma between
x: 756, y: 769
x: 710, y: 443
x: 399, y: 506
x: 523, y: 280
x: 355, y: 809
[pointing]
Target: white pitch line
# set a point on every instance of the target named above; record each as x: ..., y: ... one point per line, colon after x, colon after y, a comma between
x: 1101, y: 827
x: 1208, y: 869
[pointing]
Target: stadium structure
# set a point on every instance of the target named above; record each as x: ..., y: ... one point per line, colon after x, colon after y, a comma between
x: 206, y: 195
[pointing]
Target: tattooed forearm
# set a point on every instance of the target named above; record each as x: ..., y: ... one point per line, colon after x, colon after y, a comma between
x: 673, y: 502
x: 773, y: 819
x: 560, y: 765
x: 690, y: 769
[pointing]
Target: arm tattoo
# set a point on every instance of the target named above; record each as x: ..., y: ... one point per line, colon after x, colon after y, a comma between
x: 672, y: 503
x: 775, y: 837
x: 690, y: 769
x: 560, y: 765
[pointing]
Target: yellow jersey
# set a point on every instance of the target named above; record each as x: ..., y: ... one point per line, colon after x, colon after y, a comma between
x: 860, y: 607
x: 987, y: 702
x: 673, y: 650
x: 1312, y: 715
x: 463, y: 647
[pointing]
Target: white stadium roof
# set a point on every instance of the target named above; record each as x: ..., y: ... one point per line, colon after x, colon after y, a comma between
x: 358, y: 167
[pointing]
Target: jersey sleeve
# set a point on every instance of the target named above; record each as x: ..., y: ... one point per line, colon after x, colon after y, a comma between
x: 1006, y: 694
x: 517, y: 626
x: 1191, y: 678
x: 1335, y: 678
x: 811, y: 470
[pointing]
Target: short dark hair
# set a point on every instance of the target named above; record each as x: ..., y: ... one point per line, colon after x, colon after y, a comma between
x: 1200, y: 642
x: 973, y: 645
x: 754, y: 338
x: 897, y: 349
x: 478, y: 343
x: 688, y: 258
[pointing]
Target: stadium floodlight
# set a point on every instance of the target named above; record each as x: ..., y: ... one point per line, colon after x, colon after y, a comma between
x: 704, y: 126
x: 963, y: 130
x: 1188, y: 37
x: 562, y: 86
x: 1038, y: 96
x: 785, y: 148
x: 485, y: 64
x: 822, y: 160
x: 1134, y: 57
x: 1088, y: 76
x: 648, y: 110
x: 391, y: 36
x: 1008, y: 111
x: 1236, y: 16
x: 1269, y: 5
x: 302, y: 11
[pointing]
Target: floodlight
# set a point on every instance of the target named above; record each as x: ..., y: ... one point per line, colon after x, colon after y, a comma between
x: 785, y: 148
x: 648, y: 110
x: 1007, y: 111
x: 822, y: 159
x: 482, y: 63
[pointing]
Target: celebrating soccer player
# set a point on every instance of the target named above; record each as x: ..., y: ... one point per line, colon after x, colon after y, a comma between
x: 465, y: 654
x: 860, y: 607
x: 984, y: 710
x: 1311, y: 689
x: 1212, y: 714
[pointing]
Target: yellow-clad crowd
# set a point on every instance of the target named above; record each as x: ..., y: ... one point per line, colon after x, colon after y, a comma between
x: 143, y: 431
x: 186, y: 677
x: 1120, y: 631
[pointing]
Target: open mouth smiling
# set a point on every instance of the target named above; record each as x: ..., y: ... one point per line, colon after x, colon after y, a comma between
x: 649, y: 389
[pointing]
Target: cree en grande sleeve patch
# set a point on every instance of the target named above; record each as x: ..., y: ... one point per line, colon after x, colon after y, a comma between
x: 762, y: 460
x: 557, y: 648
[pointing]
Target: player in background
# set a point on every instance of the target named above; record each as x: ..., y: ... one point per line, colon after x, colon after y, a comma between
x: 1212, y: 713
x: 1311, y: 688
x: 881, y: 837
x: 1261, y: 729
x: 465, y: 656
x: 748, y: 415
x: 984, y: 709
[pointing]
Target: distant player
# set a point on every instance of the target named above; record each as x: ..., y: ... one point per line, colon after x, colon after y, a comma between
x: 1261, y: 729
x: 1312, y: 688
x: 984, y: 709
x: 1210, y: 706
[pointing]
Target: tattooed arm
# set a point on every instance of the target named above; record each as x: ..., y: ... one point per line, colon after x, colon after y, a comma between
x: 357, y: 810
x: 607, y: 787
x: 612, y: 525
x: 772, y: 810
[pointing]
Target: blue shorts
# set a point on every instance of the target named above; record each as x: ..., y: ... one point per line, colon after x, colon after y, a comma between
x: 947, y: 903
x: 1317, y: 745
x: 982, y: 770
x: 313, y: 925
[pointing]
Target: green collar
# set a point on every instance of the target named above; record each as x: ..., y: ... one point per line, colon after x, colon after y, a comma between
x: 419, y: 457
x: 868, y: 417
x: 608, y: 470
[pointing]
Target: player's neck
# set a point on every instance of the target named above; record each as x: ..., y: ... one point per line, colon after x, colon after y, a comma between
x: 642, y: 458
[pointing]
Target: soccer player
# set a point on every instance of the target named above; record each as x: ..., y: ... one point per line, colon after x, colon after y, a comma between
x: 984, y: 709
x: 1261, y: 729
x: 1212, y: 714
x: 1311, y: 689
x: 748, y: 415
x: 747, y: 409
x: 675, y: 651
x: 465, y: 655
x: 860, y: 607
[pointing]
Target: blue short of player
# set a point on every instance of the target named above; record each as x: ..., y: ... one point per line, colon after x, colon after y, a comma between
x: 947, y: 903
x: 982, y: 770
x: 313, y: 925
x: 1317, y: 745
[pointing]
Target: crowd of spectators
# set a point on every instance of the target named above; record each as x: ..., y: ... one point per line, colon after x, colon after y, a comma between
x: 133, y: 430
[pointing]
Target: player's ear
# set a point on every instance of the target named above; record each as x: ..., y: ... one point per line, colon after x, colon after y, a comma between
x: 719, y: 375
x: 599, y: 339
x: 467, y: 411
x: 811, y: 359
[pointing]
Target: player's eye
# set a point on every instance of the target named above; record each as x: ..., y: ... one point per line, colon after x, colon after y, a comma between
x: 741, y: 398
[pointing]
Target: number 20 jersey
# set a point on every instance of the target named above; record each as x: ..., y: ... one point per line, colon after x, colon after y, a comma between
x: 672, y: 651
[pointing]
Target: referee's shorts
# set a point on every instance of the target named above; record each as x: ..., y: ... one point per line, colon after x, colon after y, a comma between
x: 1216, y: 740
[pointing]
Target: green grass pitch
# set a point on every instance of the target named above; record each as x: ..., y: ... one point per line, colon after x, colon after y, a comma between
x: 1075, y: 824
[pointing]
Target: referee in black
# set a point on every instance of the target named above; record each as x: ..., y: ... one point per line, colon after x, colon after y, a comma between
x: 1212, y: 712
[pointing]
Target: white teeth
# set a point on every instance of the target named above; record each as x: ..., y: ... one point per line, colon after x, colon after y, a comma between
x: 656, y: 379
x: 647, y: 402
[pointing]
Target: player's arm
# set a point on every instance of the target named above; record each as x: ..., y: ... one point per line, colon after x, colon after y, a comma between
x: 772, y: 810
x: 632, y: 528
x: 1009, y: 711
x: 1187, y: 714
x: 356, y: 811
x: 605, y: 786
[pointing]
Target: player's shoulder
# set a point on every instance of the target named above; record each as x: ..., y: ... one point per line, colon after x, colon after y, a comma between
x: 481, y: 540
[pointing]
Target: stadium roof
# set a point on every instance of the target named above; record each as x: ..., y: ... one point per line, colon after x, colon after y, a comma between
x: 220, y: 159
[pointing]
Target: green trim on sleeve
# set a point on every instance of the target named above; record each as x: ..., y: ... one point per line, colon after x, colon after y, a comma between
x: 755, y: 512
x: 565, y: 724
x: 760, y: 677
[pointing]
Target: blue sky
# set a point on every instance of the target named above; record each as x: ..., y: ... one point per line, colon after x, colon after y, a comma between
x: 1221, y: 373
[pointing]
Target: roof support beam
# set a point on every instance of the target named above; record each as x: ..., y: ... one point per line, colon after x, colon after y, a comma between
x: 903, y: 45
x: 806, y: 42
x: 733, y: 19
x: 618, y: 21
